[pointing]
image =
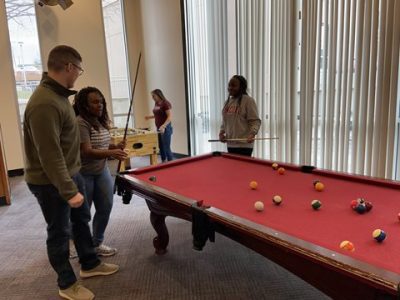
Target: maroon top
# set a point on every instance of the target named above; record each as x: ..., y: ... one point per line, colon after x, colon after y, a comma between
x: 159, y: 112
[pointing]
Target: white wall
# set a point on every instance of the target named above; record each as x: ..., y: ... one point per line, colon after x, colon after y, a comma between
x: 134, y: 33
x: 81, y: 27
x: 9, y: 115
x: 153, y: 27
x: 162, y: 50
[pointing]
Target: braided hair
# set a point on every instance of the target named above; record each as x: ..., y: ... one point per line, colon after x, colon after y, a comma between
x: 242, y: 91
x: 81, y: 108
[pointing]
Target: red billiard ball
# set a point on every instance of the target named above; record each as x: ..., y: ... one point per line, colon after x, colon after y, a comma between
x: 353, y: 204
x: 281, y: 171
x: 368, y: 205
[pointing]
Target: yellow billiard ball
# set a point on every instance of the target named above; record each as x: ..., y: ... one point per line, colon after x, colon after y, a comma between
x: 275, y: 166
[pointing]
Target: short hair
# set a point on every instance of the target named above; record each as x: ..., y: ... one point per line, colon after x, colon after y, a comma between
x: 159, y: 93
x: 61, y: 55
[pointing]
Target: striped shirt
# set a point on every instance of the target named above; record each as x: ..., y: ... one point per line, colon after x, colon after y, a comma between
x: 99, y: 139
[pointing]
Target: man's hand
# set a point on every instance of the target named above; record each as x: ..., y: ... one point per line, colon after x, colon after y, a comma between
x: 76, y: 201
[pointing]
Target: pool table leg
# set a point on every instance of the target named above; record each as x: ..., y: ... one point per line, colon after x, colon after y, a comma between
x: 160, y: 242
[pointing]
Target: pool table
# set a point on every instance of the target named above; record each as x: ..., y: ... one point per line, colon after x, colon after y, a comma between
x: 212, y: 191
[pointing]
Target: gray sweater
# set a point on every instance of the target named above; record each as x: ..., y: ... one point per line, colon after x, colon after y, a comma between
x: 240, y: 122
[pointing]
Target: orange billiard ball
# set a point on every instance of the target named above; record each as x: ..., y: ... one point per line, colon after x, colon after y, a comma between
x: 346, y: 245
x: 281, y: 171
x: 275, y: 166
x: 319, y: 186
x: 253, y: 185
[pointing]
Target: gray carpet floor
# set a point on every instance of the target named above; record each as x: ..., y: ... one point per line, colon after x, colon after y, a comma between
x: 223, y: 270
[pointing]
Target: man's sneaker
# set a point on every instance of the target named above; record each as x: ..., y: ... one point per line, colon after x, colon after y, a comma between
x: 76, y: 292
x: 104, y: 250
x: 101, y: 269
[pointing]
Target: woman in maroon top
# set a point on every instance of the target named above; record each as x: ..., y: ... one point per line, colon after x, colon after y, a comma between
x: 162, y: 116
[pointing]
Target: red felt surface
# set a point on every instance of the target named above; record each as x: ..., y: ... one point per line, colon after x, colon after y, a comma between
x: 224, y: 183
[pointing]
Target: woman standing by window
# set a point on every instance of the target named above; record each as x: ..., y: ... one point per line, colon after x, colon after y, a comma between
x: 240, y: 118
x: 162, y: 115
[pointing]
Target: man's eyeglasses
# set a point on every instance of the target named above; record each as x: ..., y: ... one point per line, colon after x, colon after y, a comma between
x: 81, y: 70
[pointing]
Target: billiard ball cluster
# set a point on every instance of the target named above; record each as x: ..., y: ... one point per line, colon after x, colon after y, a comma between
x: 378, y: 234
x: 281, y: 170
x: 360, y: 205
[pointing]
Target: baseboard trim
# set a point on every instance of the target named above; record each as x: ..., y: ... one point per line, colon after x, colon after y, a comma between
x: 180, y: 155
x: 15, y: 172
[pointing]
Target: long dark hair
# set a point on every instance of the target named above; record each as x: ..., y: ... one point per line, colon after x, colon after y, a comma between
x: 243, y: 90
x: 81, y: 108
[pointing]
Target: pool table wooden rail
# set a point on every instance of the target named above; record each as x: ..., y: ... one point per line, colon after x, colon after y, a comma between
x: 337, y: 275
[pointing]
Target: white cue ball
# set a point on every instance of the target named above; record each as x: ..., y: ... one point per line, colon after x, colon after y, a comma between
x: 259, y: 206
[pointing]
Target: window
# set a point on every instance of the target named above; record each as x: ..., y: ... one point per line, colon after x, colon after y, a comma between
x: 25, y: 49
x: 117, y: 61
x: 324, y: 75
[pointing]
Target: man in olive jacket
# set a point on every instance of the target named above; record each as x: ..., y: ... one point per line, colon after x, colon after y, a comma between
x: 52, y: 163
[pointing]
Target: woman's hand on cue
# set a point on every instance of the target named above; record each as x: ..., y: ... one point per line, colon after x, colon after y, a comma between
x: 250, y: 138
x: 119, y: 154
x: 222, y: 137
x: 121, y: 145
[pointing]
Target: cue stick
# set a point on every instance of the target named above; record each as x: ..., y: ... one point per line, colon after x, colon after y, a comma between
x: 244, y: 140
x: 130, y: 106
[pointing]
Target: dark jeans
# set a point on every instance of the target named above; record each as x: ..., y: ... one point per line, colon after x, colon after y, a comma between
x: 164, y: 142
x: 59, y: 217
x: 240, y: 151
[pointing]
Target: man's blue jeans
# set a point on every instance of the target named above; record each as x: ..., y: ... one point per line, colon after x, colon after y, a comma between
x: 164, y: 142
x: 60, y: 217
x: 100, y: 192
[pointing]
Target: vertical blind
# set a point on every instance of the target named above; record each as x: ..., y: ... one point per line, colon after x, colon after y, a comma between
x: 324, y: 75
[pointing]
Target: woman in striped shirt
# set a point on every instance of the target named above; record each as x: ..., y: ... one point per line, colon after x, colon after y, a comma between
x: 94, y: 124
